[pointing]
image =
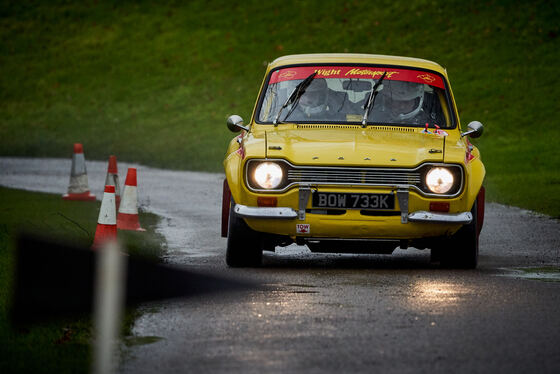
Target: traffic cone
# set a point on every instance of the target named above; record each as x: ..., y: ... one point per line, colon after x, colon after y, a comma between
x: 112, y: 179
x: 127, y: 218
x: 107, y: 221
x: 78, y: 188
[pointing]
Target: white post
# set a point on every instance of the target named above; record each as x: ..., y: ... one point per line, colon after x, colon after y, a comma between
x: 108, y: 306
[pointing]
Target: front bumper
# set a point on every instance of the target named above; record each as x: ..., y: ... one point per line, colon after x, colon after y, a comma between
x: 264, y: 212
x: 289, y: 213
x: 423, y: 216
x: 286, y: 213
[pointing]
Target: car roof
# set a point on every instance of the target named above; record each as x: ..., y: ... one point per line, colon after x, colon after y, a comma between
x: 357, y: 58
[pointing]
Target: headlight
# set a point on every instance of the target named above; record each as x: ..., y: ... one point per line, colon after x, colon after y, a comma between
x: 268, y: 175
x: 439, y: 180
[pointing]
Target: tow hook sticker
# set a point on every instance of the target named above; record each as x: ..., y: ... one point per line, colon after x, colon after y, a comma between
x: 303, y: 228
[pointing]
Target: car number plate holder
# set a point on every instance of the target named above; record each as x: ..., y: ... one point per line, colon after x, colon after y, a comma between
x: 362, y: 201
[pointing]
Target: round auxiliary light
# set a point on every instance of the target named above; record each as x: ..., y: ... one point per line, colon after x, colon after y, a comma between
x: 439, y: 180
x: 268, y: 175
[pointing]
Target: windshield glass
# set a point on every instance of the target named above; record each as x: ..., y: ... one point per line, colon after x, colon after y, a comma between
x: 339, y: 94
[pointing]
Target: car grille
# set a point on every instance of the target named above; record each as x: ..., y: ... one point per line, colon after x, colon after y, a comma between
x: 356, y: 176
x: 347, y: 176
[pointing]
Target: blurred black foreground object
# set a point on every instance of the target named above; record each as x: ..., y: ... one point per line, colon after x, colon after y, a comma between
x: 55, y: 279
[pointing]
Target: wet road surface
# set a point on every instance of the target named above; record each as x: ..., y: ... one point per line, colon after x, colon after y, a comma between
x: 336, y: 313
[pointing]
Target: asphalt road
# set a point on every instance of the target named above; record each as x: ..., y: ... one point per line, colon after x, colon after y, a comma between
x: 336, y: 313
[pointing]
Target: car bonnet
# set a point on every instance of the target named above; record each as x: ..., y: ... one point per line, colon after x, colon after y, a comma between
x: 373, y: 146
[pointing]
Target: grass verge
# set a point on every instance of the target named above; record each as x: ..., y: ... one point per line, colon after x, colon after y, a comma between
x: 62, y: 346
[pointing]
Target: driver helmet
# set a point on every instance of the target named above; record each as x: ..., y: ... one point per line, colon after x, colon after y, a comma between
x: 314, y: 99
x: 404, y: 99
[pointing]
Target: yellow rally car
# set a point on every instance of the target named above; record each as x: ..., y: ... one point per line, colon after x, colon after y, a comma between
x: 353, y: 153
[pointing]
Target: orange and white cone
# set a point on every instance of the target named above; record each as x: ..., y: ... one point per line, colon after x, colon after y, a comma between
x: 112, y: 179
x: 127, y: 218
x: 107, y: 221
x: 78, y: 188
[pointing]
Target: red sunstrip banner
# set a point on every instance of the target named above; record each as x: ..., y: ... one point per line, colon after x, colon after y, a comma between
x: 354, y: 72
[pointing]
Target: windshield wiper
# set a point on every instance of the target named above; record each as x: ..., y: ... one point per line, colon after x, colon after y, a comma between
x: 371, y: 99
x: 294, y: 96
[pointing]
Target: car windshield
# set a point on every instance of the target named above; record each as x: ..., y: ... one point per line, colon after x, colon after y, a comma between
x: 339, y: 94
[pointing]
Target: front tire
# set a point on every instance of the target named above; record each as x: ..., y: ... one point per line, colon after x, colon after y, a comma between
x: 244, y: 245
x: 463, y: 251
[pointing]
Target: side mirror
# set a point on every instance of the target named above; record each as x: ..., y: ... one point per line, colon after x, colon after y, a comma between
x: 235, y: 123
x: 475, y: 129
